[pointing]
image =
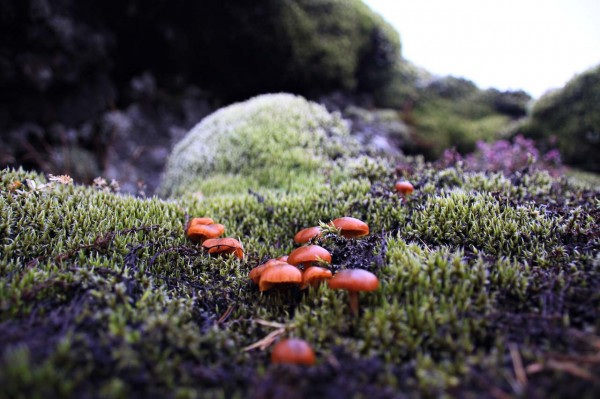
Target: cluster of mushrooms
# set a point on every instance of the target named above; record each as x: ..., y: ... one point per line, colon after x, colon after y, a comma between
x: 304, y: 266
x: 205, y: 231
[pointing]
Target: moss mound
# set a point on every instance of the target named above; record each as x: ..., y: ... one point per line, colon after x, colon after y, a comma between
x: 569, y: 118
x: 489, y: 287
x: 274, y: 140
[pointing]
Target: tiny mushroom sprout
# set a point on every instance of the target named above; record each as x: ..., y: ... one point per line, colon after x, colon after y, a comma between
x: 351, y: 227
x: 216, y: 246
x: 354, y: 281
x: 293, y: 351
x: 280, y: 273
x: 305, y: 235
x: 404, y: 187
x: 314, y: 275
x: 308, y: 255
x: 201, y: 232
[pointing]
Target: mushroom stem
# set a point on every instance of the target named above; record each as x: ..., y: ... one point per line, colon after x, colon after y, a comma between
x: 353, y: 297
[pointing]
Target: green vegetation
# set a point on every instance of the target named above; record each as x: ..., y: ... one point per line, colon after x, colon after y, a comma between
x: 569, y: 119
x: 101, y: 294
x: 274, y: 140
x: 342, y: 44
x: 310, y: 47
x: 453, y: 112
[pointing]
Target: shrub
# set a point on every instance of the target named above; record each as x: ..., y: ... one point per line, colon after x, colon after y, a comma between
x: 570, y: 119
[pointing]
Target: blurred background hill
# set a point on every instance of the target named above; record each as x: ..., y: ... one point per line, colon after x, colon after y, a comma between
x: 107, y: 88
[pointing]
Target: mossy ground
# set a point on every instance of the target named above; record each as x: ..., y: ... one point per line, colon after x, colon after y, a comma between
x: 489, y: 288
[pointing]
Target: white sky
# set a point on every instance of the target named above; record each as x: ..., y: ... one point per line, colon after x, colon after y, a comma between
x: 533, y: 45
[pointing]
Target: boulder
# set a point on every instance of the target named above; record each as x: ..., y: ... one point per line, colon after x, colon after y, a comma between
x: 273, y: 140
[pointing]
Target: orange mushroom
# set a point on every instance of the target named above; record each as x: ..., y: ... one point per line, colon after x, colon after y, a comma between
x: 293, y: 351
x: 404, y: 187
x: 224, y: 246
x: 354, y: 281
x: 305, y: 235
x: 281, y: 273
x: 258, y: 270
x: 201, y: 232
x: 314, y: 275
x: 196, y: 221
x: 308, y: 255
x: 351, y: 227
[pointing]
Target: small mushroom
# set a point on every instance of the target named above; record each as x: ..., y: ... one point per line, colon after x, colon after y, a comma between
x: 196, y: 221
x: 404, y: 187
x: 256, y: 273
x: 314, y: 275
x: 351, y: 227
x: 305, y: 235
x: 354, y: 281
x: 201, y: 232
x: 293, y: 351
x: 281, y: 273
x: 308, y: 255
x: 224, y: 246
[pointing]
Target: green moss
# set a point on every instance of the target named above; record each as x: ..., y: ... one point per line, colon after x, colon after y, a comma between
x: 310, y: 47
x: 485, y: 224
x: 442, y: 123
x: 569, y: 119
x: 334, y: 40
x: 101, y: 294
x: 277, y: 141
x: 452, y: 112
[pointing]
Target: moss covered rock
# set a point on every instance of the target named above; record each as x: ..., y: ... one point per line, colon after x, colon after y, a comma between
x: 275, y: 140
x: 569, y: 118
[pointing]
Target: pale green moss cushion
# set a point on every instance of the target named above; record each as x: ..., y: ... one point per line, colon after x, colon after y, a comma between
x: 268, y: 141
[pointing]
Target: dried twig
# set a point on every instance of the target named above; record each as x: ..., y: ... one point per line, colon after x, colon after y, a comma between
x: 520, y: 373
x: 225, y: 315
x: 270, y: 338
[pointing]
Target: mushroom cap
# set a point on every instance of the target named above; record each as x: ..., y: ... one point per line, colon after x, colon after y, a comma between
x: 195, y: 221
x: 224, y: 246
x: 313, y: 275
x: 283, y: 258
x: 404, y: 187
x: 354, y: 280
x: 308, y: 254
x: 351, y: 227
x: 200, y: 232
x: 293, y: 351
x: 281, y: 273
x: 256, y: 273
x: 305, y: 235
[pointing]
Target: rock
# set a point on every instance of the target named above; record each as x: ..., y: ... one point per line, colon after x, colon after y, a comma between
x: 380, y: 130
